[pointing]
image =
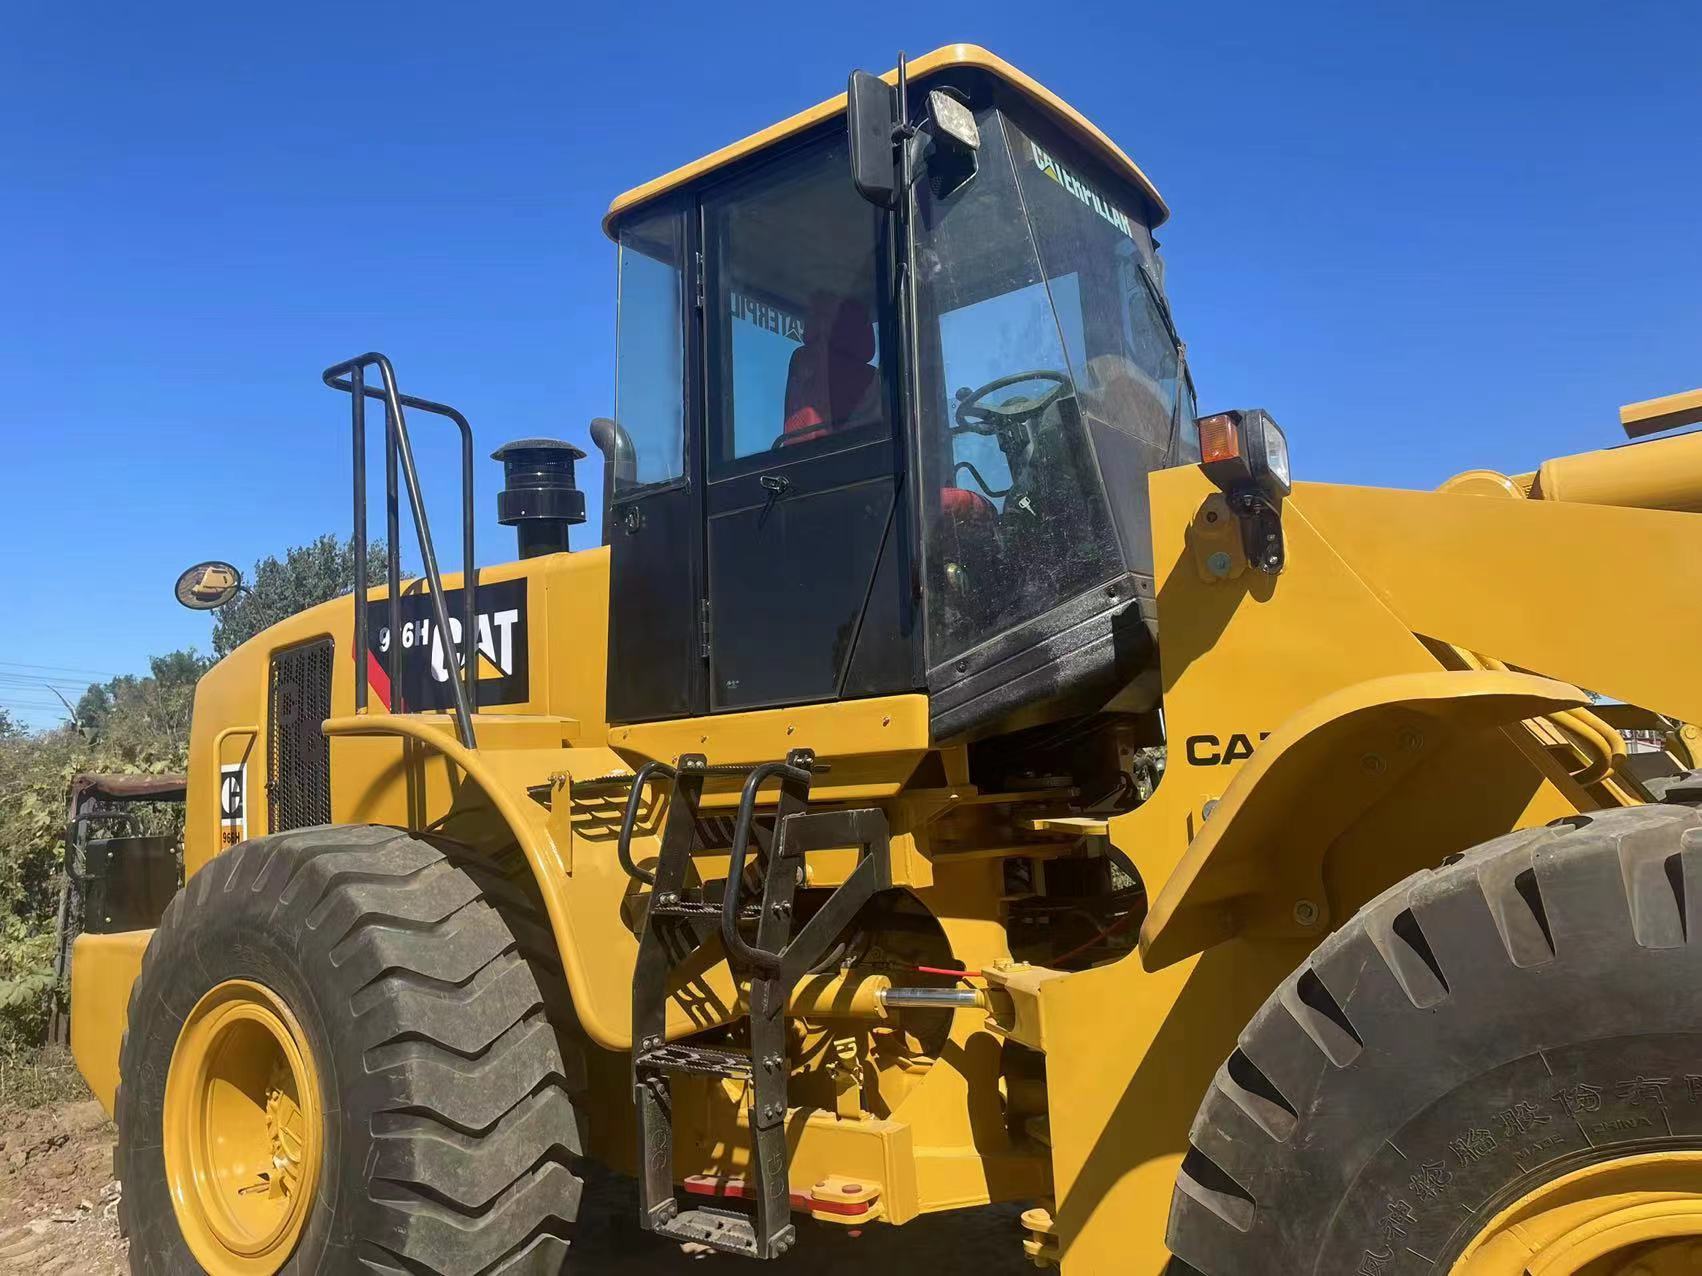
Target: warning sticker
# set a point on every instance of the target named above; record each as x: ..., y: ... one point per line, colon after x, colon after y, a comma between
x: 411, y: 670
x: 233, y: 812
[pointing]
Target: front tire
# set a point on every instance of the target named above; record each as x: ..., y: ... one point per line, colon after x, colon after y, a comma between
x: 373, y: 1004
x: 1528, y: 1011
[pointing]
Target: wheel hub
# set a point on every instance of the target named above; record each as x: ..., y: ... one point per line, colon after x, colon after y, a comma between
x: 1633, y: 1216
x: 242, y: 1130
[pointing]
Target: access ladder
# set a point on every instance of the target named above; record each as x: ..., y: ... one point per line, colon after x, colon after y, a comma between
x: 763, y: 952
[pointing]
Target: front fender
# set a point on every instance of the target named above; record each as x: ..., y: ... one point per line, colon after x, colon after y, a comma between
x: 103, y: 970
x: 1255, y: 867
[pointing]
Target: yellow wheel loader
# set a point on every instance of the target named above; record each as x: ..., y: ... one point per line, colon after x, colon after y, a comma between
x: 964, y: 773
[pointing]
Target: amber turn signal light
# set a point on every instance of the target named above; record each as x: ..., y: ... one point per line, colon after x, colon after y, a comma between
x: 1245, y: 451
x: 1220, y: 439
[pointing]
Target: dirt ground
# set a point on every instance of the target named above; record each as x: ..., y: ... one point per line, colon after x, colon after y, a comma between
x: 58, y: 1201
x: 59, y: 1217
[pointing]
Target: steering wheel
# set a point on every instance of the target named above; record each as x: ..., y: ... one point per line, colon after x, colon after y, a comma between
x: 978, y: 417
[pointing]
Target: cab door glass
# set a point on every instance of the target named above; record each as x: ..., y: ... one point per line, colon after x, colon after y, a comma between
x: 793, y: 335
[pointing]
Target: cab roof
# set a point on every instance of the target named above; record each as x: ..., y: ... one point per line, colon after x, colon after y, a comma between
x: 952, y: 55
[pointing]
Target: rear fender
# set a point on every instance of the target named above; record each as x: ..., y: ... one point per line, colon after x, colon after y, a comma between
x: 596, y: 946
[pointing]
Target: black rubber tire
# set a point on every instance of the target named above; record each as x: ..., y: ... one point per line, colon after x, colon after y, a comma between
x: 419, y: 977
x: 1677, y: 790
x: 1531, y: 1007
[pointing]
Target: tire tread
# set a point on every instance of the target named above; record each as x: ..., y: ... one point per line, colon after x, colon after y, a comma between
x: 446, y: 973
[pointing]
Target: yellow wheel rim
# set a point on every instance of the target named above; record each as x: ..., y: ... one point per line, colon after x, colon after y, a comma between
x: 1634, y: 1216
x: 243, y: 1130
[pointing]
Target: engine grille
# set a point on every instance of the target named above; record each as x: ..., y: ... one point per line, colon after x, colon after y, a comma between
x: 299, y: 755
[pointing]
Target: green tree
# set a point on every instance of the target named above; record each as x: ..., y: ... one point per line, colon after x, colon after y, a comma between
x: 129, y: 724
x: 135, y: 722
x: 32, y: 811
x: 277, y: 588
x: 34, y: 771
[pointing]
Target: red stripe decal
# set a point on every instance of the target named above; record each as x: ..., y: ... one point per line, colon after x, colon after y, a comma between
x: 379, y: 680
x: 376, y: 678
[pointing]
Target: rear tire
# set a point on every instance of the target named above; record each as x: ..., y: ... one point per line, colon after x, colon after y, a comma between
x: 417, y: 977
x: 1532, y: 1007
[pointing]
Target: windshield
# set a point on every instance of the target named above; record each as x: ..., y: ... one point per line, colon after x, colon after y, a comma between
x: 1049, y: 375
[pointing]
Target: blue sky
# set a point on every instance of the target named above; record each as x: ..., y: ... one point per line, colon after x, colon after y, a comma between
x: 1427, y: 237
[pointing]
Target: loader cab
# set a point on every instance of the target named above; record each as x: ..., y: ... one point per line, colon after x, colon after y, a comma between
x: 863, y: 450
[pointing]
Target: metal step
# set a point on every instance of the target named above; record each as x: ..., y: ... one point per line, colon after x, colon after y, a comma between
x: 703, y: 1061
x: 725, y: 1230
x: 683, y: 908
x: 745, y: 768
x: 663, y: 904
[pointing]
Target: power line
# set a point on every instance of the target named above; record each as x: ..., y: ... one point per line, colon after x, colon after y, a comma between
x: 59, y: 669
x: 29, y: 680
x: 24, y: 664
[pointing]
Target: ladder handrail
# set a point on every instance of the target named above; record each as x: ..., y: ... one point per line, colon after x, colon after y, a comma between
x: 350, y: 377
x: 796, y: 769
x: 629, y: 819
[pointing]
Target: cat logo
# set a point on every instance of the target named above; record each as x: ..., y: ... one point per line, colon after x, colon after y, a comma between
x: 233, y: 817
x: 1209, y: 750
x: 413, y: 671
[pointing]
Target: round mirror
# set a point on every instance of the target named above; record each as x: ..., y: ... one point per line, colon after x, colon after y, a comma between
x: 207, y: 586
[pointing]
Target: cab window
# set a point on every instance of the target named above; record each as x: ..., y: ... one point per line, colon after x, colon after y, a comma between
x: 985, y: 340
x: 1015, y: 518
x: 650, y: 350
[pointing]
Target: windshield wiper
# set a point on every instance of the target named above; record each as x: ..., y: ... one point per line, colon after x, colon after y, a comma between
x: 1184, y: 378
x: 1163, y: 304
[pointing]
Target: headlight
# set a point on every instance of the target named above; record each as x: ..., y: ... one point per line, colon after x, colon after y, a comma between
x: 1276, y: 454
x: 1246, y: 449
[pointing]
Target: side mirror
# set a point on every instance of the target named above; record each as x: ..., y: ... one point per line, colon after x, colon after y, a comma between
x: 871, y: 110
x: 208, y: 586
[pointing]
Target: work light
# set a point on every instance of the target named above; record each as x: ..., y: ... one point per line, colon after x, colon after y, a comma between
x: 954, y: 120
x: 1246, y: 449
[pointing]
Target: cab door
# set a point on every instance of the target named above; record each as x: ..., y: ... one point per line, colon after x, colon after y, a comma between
x: 804, y: 577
